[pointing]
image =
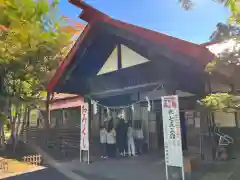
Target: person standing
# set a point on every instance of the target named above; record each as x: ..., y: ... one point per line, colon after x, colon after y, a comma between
x: 125, y: 137
x: 139, y: 137
x: 131, y: 144
x: 122, y: 140
x: 111, y: 140
x: 103, y: 141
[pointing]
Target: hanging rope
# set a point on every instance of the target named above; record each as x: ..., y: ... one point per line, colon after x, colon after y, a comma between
x: 96, y: 103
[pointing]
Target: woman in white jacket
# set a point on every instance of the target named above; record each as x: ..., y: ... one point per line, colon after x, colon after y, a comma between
x: 131, y: 144
x: 103, y: 141
x: 139, y: 137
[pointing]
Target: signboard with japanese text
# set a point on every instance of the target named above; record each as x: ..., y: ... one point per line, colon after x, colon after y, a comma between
x: 84, y: 143
x: 172, y: 131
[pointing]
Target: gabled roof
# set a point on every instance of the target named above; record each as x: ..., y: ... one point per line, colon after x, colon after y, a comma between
x: 93, y: 16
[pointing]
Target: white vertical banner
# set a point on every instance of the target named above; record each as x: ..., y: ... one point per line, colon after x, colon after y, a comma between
x: 172, y: 133
x: 84, y: 140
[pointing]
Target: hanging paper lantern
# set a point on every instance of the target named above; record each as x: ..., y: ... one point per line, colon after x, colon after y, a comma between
x: 108, y: 112
x: 95, y: 107
x: 149, y: 104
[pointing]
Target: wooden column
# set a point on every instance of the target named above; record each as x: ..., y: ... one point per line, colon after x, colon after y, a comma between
x: 170, y: 88
x: 48, y: 120
x: 233, y: 91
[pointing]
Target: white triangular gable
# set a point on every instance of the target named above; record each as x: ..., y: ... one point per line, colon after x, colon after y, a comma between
x: 111, y: 64
x: 131, y: 58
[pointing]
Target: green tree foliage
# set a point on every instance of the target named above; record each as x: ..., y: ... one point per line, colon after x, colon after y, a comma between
x: 233, y: 5
x: 31, y: 44
x: 218, y: 101
x: 33, y: 40
x: 227, y: 60
x: 226, y: 35
x: 221, y: 102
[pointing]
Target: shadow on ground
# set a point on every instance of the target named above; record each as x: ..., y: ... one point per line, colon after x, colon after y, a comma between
x: 21, y: 150
x: 92, y: 176
x: 45, y: 174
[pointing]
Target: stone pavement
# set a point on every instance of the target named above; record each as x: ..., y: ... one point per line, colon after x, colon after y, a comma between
x: 222, y: 171
x: 144, y: 167
x: 141, y: 168
x: 150, y: 167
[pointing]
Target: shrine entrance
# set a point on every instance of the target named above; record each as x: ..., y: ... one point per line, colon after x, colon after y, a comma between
x: 121, y: 67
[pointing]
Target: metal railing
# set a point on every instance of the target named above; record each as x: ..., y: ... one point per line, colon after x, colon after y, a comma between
x: 224, y: 139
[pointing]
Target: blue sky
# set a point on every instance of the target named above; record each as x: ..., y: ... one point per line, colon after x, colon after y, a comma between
x: 164, y: 16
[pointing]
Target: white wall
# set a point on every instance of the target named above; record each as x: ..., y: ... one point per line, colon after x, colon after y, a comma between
x: 111, y: 63
x: 223, y: 119
x: 129, y: 59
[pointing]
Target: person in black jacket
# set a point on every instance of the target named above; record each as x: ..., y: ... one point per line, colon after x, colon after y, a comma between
x: 121, y: 130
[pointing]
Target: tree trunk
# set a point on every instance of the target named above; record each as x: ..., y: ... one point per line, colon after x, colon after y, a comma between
x: 14, y: 132
x: 2, y: 137
x: 11, y: 122
x: 18, y: 120
x: 13, y: 127
x: 23, y: 128
x: 47, y: 120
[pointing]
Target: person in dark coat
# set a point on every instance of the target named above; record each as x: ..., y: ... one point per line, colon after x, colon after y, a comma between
x: 119, y: 135
x: 125, y: 137
x: 121, y: 132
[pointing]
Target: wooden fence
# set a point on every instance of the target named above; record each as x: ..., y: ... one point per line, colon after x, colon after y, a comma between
x: 33, y: 159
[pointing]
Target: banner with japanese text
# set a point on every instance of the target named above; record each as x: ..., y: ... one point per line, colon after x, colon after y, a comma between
x: 172, y: 131
x: 84, y: 143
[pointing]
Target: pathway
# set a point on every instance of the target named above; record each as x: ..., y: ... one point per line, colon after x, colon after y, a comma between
x: 142, y: 167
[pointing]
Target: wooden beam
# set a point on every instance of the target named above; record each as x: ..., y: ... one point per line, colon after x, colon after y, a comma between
x: 119, y: 56
x: 125, y: 90
x: 234, y: 92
